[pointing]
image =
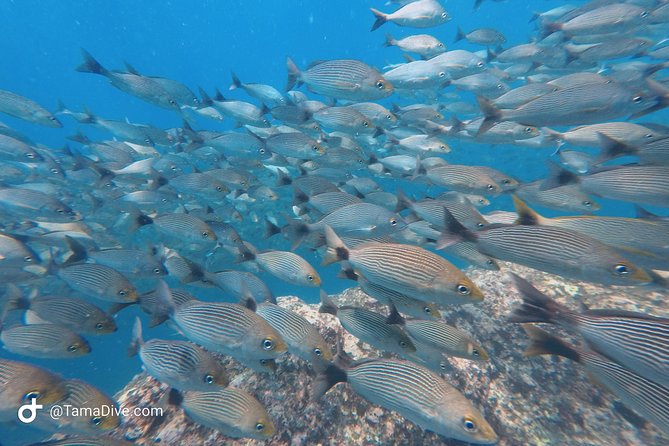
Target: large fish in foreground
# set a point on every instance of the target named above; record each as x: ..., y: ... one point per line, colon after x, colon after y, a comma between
x: 411, y: 270
x: 418, y: 14
x: 341, y: 79
x: 411, y: 390
x: 638, y: 341
x: 647, y: 398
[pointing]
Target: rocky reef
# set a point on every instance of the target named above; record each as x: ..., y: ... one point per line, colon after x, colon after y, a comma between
x: 538, y: 401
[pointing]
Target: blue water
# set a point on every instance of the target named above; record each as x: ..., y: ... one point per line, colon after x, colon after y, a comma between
x: 199, y: 44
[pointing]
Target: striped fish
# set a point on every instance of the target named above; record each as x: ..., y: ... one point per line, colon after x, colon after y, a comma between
x: 234, y: 412
x: 44, y: 341
x: 414, y: 392
x: 341, y: 79
x: 647, y: 398
x: 99, y: 281
x: 562, y: 198
x: 20, y: 382
x: 78, y: 315
x: 302, y: 337
x: 184, y: 227
x: 237, y: 283
x: 231, y: 329
x: 369, y: 327
x: 287, y: 266
x: 632, y: 233
x: 344, y: 119
x: 200, y: 185
x: 26, y: 109
x: 180, y: 364
x: 653, y: 151
x: 432, y: 211
x: 84, y: 441
x: 466, y: 179
x: 14, y: 253
x: 324, y: 203
x: 96, y: 414
x: 637, y: 184
x: 410, y: 270
x: 405, y: 304
x: 637, y: 341
x: 440, y: 336
x: 553, y: 250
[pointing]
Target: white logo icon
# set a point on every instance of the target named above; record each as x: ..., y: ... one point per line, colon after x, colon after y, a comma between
x: 32, y: 408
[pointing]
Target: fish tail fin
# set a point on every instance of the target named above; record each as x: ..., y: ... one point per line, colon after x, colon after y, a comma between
x: 117, y: 307
x: 536, y: 306
x: 389, y: 41
x: 544, y: 343
x: 490, y: 55
x: 175, y: 397
x: 454, y: 232
x: 79, y: 253
x: 327, y: 305
x: 236, y: 83
x: 270, y: 229
x: 293, y: 74
x: 526, y: 215
x: 164, y: 299
x: 394, y: 318
x: 459, y: 35
x: 137, y: 340
x: 138, y: 219
x: 336, y: 249
x: 477, y: 4
x: 283, y: 179
x: 90, y: 65
x: 492, y: 115
x: 403, y: 201
x: 380, y: 17
x: 327, y: 376
x: 299, y: 197
x: 645, y: 214
x: 558, y: 176
x: 14, y: 299
x: 549, y: 28
x: 246, y: 253
x: 296, y: 230
x: 612, y: 148
x: 347, y: 272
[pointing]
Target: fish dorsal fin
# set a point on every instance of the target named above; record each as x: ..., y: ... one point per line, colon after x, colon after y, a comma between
x: 395, y: 318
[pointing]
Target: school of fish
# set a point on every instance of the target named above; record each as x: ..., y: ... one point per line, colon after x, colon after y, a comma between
x: 144, y: 218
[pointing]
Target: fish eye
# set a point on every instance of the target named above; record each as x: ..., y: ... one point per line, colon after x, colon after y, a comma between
x: 261, y: 151
x: 587, y: 203
x: 490, y: 187
x: 315, y: 148
x: 500, y: 86
x: 479, y: 225
x: 621, y: 269
x: 469, y: 425
x: 440, y: 45
x: 528, y: 129
x: 33, y: 394
x: 122, y: 292
x: 172, y: 102
x: 219, y: 188
x: 380, y: 84
x: 479, y: 64
x: 99, y: 326
x: 489, y: 262
x: 442, y: 366
x: 72, y: 348
x: 96, y: 421
x: 463, y: 289
x: 310, y: 277
x: 260, y: 426
x: 393, y: 222
x: 268, y: 344
x: 402, y: 343
x: 506, y: 181
x: 30, y: 155
x: 444, y: 15
x: 208, y: 379
x: 427, y: 310
x: 644, y: 14
x: 389, y: 116
x: 318, y: 352
x: 442, y: 74
x: 648, y: 135
x: 365, y: 124
x: 476, y: 353
x: 60, y: 211
x: 28, y: 259
x: 442, y: 147
x: 637, y: 99
x: 205, y: 234
x: 53, y: 170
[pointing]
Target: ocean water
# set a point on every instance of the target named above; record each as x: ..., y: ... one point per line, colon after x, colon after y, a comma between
x: 200, y: 44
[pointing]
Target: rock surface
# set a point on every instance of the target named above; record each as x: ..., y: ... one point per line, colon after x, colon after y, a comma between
x: 538, y: 401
